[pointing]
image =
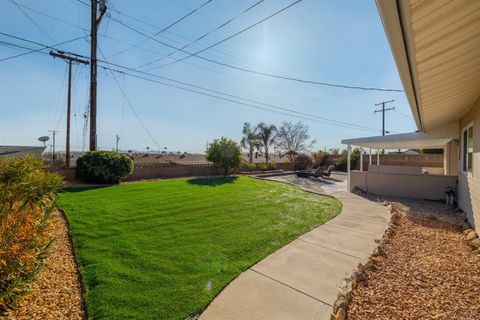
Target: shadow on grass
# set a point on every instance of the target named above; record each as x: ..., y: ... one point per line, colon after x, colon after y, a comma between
x: 80, y: 189
x: 212, y: 182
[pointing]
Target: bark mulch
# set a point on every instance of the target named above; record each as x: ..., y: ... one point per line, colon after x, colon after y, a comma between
x: 426, y: 270
x: 56, y: 293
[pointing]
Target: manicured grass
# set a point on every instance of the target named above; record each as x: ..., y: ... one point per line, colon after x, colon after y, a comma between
x: 163, y: 250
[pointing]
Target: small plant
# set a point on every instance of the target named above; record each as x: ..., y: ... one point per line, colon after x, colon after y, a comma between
x: 263, y: 166
x: 28, y: 195
x: 103, y: 167
x: 272, y: 166
x: 252, y: 166
x: 225, y: 153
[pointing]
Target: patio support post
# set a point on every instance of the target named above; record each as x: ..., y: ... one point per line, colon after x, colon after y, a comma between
x: 348, y: 167
x: 370, y: 157
x: 446, y: 156
x: 378, y: 157
x: 361, y: 159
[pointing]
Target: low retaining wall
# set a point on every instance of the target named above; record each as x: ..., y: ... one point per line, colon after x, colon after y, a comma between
x: 166, y: 171
x: 415, y: 186
x: 173, y: 171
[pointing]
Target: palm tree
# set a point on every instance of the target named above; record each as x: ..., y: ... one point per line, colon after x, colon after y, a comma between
x: 267, y: 135
x: 250, y: 140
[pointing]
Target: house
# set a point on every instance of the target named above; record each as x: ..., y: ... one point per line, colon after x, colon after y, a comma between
x: 411, y: 151
x: 20, y: 151
x: 436, y: 46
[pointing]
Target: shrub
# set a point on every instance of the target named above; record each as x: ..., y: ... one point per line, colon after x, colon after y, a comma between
x: 272, y: 166
x: 319, y: 158
x: 103, y: 167
x: 252, y: 166
x: 303, y: 162
x: 225, y: 153
x: 341, y: 163
x: 27, y: 199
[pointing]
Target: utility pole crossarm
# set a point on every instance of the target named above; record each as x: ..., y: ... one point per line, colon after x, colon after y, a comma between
x: 68, y: 57
x: 383, y: 110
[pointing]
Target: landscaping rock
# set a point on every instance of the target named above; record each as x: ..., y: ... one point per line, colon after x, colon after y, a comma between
x: 339, y: 315
x: 472, y: 235
x: 475, y: 243
x: 467, y: 231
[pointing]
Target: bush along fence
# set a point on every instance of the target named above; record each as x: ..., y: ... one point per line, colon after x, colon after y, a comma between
x: 28, y: 195
x: 178, y: 170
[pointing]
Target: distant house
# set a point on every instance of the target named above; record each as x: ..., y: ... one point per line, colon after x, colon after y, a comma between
x: 436, y: 46
x: 20, y: 151
x: 411, y: 151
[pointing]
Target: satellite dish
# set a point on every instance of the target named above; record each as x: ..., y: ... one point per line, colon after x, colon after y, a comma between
x: 43, y: 139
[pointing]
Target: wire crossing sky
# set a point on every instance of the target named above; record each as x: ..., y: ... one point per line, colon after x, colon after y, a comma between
x: 212, y: 66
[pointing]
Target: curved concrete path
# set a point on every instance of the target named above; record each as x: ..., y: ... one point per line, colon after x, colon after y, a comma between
x: 302, y: 279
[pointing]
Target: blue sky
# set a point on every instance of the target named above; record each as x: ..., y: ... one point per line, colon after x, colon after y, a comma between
x: 330, y: 41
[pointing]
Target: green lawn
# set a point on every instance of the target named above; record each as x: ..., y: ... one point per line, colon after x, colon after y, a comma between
x: 163, y: 250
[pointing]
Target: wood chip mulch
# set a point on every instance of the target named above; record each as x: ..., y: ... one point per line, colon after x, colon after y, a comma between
x: 57, y: 292
x: 426, y: 270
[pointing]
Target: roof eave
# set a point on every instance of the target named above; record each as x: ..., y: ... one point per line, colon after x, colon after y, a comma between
x: 394, y: 18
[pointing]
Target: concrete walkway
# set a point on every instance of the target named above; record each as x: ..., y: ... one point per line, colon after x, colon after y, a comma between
x: 302, y: 279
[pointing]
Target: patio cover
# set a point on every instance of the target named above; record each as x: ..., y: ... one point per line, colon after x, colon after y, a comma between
x: 414, y: 140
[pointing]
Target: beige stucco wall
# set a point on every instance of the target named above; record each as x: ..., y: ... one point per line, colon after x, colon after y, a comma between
x: 469, y: 186
x: 430, y: 187
x: 405, y: 169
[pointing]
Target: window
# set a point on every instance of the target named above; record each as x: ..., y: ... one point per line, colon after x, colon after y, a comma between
x: 467, y: 150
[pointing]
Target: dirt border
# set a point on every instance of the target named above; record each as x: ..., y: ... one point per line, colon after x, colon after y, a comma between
x: 77, y: 264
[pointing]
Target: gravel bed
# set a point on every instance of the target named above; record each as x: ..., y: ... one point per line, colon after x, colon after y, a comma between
x: 425, y: 270
x: 56, y: 293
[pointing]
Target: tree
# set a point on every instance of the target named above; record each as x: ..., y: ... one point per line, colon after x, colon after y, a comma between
x: 267, y: 135
x: 225, y: 153
x: 334, y: 151
x: 292, y: 139
x: 250, y: 140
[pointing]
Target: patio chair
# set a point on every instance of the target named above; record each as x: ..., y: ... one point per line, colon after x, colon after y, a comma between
x: 319, y: 172
x: 328, y: 172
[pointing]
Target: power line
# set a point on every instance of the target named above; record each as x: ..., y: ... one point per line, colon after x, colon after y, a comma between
x: 235, y: 34
x: 205, y: 34
x: 292, y: 114
x: 403, y: 114
x: 165, y: 28
x: 31, y: 20
x: 329, y: 84
x: 176, y: 34
x: 298, y: 113
x: 130, y: 104
x: 148, y: 24
x: 251, y: 70
x: 40, y: 49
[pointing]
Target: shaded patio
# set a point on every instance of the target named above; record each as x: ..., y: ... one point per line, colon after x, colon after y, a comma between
x: 403, y: 180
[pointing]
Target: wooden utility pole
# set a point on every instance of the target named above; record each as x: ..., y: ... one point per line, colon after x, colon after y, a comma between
x: 383, y: 110
x: 54, y: 132
x: 95, y: 22
x: 69, y: 59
